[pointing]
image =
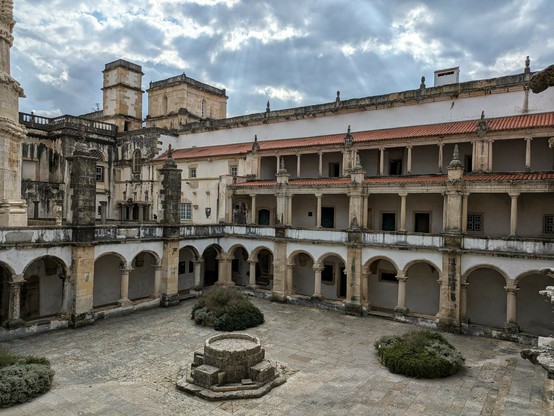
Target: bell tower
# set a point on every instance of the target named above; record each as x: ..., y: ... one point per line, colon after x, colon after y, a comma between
x: 13, y: 210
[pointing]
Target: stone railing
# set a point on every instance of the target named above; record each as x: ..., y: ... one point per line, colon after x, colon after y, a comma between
x: 67, y: 121
x: 508, y: 245
x: 382, y: 238
x: 110, y: 233
x: 32, y: 235
x: 330, y: 236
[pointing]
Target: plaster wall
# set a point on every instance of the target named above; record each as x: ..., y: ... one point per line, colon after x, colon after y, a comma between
x: 141, y: 278
x: 508, y: 155
x: 486, y: 298
x: 495, y: 210
x: 422, y: 289
x: 107, y: 280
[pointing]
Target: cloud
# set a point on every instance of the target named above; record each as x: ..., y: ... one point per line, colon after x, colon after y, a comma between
x: 294, y: 53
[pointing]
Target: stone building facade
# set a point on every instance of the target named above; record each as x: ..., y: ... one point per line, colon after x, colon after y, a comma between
x: 432, y: 205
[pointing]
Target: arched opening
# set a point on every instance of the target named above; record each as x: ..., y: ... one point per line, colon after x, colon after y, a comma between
x: 136, y: 162
x: 107, y: 281
x: 333, y: 278
x: 5, y: 278
x: 382, y: 285
x: 264, y: 269
x: 422, y: 289
x: 240, y: 267
x: 486, y: 298
x: 142, y: 276
x: 187, y: 259
x: 303, y: 274
x: 211, y: 265
x: 534, y: 312
x: 42, y: 290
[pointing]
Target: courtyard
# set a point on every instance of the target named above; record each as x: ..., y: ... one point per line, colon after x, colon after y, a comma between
x: 128, y: 366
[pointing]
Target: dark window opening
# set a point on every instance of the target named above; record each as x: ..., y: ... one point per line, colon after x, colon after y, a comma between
x: 388, y: 221
x: 468, y: 163
x: 422, y: 222
x: 395, y: 167
x: 388, y: 277
x: 182, y: 267
x: 263, y: 217
x: 334, y: 170
x: 327, y: 273
x: 328, y: 217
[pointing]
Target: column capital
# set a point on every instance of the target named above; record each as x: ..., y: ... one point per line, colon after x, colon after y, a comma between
x: 514, y: 194
x: 126, y: 269
x: 18, y: 278
x: 511, y: 289
x: 401, y: 276
x: 317, y: 267
x: 252, y: 260
x: 403, y: 194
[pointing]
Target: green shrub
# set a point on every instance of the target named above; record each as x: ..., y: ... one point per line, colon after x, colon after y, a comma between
x: 23, y: 377
x: 420, y: 354
x: 226, y: 309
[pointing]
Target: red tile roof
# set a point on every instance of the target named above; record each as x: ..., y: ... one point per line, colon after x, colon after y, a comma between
x: 410, y: 132
x: 510, y: 176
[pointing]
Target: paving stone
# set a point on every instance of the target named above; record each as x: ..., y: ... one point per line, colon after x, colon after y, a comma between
x: 128, y: 366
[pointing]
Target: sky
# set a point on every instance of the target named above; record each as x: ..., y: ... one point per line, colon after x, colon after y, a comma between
x: 288, y: 52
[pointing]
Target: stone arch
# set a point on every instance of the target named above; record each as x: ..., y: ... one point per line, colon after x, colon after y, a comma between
x: 533, y: 311
x: 422, y: 287
x: 211, y: 264
x: 302, y: 273
x: 263, y: 267
x: 188, y: 262
x: 485, y: 266
x: 239, y: 264
x: 254, y: 253
x: 107, y: 279
x: 333, y: 276
x: 486, y: 296
x: 43, y: 289
x: 142, y: 275
x: 382, y: 285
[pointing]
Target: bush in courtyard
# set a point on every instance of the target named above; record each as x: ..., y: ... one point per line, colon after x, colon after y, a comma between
x: 420, y: 354
x: 226, y: 309
x: 22, y: 378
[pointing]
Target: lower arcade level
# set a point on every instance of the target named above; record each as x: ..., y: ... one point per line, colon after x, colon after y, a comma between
x: 465, y: 283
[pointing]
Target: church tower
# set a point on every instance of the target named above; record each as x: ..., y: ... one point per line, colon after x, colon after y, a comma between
x: 123, y: 95
x: 13, y: 210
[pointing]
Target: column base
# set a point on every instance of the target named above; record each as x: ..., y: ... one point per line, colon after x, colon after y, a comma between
x: 449, y: 325
x: 15, y: 323
x: 316, y: 297
x: 82, y: 319
x: 278, y: 297
x: 353, y: 308
x: 124, y: 302
x: 401, y: 310
x: 169, y: 300
x: 511, y: 328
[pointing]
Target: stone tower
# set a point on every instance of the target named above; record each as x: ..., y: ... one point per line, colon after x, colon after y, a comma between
x: 13, y: 210
x: 123, y: 95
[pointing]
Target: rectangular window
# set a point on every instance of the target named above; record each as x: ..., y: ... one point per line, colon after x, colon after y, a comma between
x: 327, y: 273
x: 474, y: 222
x: 468, y: 163
x: 334, y: 170
x: 388, y: 277
x: 395, y: 167
x: 192, y: 172
x: 186, y: 212
x: 99, y: 173
x: 422, y: 222
x: 234, y: 170
x: 388, y: 221
x: 549, y: 224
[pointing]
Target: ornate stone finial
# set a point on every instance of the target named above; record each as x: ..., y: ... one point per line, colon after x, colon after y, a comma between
x: 482, y: 127
x: 455, y: 162
x: 337, y: 100
x: 81, y: 145
x: 358, y: 165
x: 348, y: 139
x: 170, y: 151
x: 422, y: 85
x: 255, y: 145
x: 267, y: 108
x: 282, y: 169
x: 6, y: 12
x: 527, y: 63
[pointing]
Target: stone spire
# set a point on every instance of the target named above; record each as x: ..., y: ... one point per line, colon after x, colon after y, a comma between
x: 13, y: 210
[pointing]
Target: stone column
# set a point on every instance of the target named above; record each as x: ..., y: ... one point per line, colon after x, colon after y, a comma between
x: 381, y: 161
x: 409, y: 161
x: 528, y: 153
x: 465, y: 197
x: 298, y: 165
x: 364, y: 287
x: 124, y: 287
x: 14, y: 311
x: 278, y: 290
x: 253, y: 213
x: 513, y: 214
x: 441, y: 155
x: 198, y: 274
x: 66, y: 294
x: 463, y: 302
x: 289, y: 287
x: 320, y: 164
x: 157, y: 279
x: 401, y: 308
x: 169, y: 277
x: 511, y: 302
x: 103, y: 211
x: 278, y: 161
x: 489, y: 159
x: 82, y: 285
x: 252, y: 277
x: 289, y: 210
x: 365, y: 223
x: 317, y: 281
x: 402, y: 212
x: 224, y: 275
x: 318, y: 211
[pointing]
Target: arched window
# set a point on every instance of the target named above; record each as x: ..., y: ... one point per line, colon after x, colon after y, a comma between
x: 136, y: 161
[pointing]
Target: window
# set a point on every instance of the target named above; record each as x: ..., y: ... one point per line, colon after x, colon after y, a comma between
x: 192, y: 172
x: 468, y: 163
x: 136, y: 161
x: 549, y: 224
x: 474, y: 222
x: 388, y: 277
x: 421, y: 222
x: 186, y: 212
x: 263, y: 217
x: 388, y: 221
x: 395, y: 167
x: 327, y: 273
x: 334, y: 170
x: 99, y: 173
x: 234, y: 170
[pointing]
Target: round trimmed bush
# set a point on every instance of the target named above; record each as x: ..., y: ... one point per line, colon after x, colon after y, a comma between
x: 420, y: 354
x: 226, y: 309
x: 23, y: 378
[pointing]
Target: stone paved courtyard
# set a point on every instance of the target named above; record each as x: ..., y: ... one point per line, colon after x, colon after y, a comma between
x: 128, y: 366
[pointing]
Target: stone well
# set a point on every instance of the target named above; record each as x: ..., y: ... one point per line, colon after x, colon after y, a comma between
x: 231, y: 366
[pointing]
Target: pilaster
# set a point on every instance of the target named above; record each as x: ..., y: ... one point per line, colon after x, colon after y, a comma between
x: 82, y: 279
